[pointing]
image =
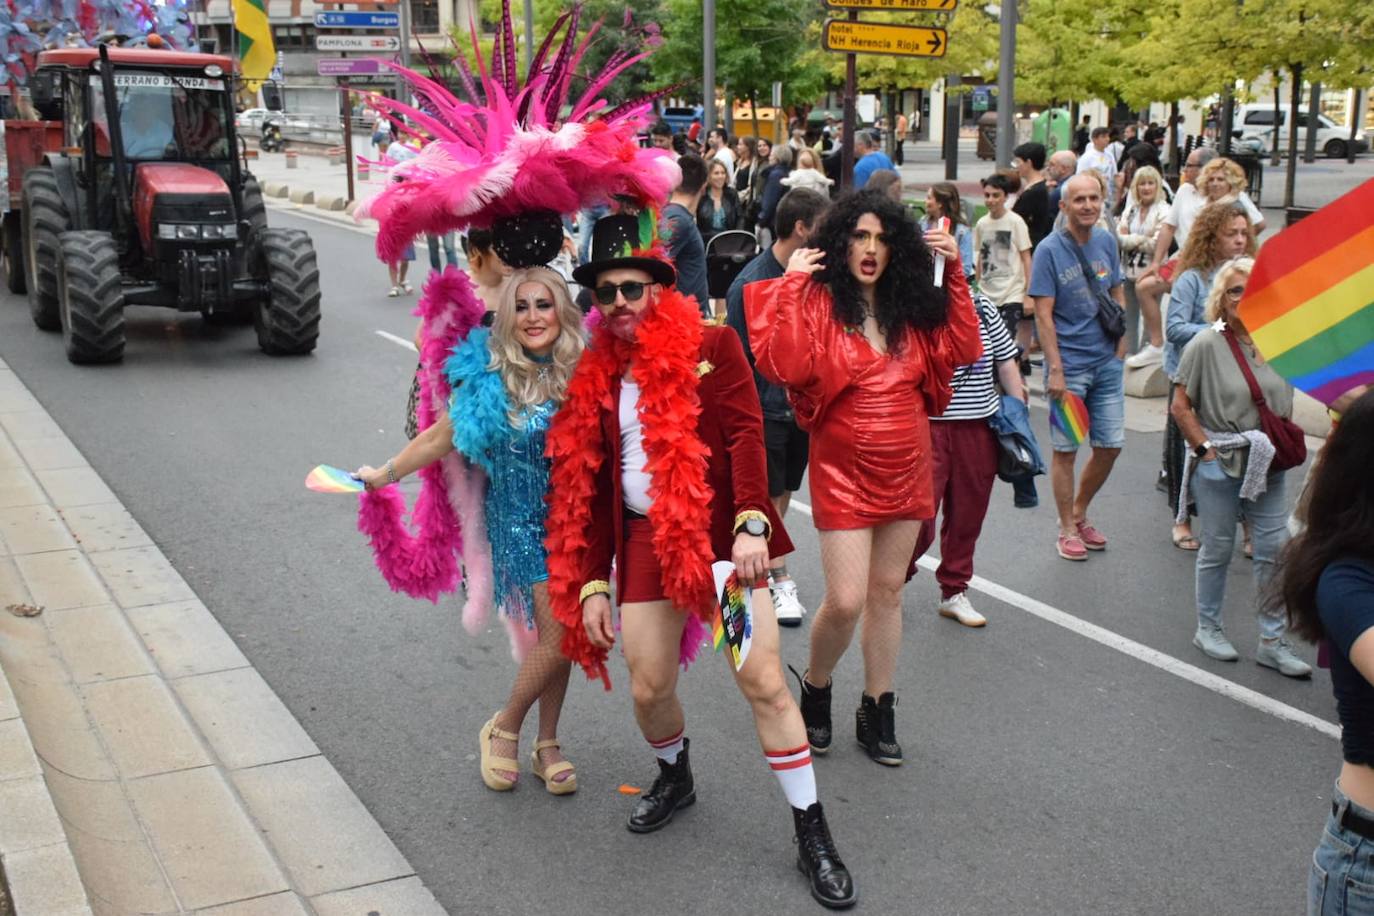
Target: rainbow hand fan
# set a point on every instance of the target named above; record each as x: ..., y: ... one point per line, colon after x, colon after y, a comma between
x: 326, y: 479
x: 735, y: 625
x: 1069, y: 415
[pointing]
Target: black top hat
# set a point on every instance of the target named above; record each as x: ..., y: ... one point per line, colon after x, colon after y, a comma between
x: 614, y: 240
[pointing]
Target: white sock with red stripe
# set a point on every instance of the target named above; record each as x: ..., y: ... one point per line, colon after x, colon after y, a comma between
x: 795, y: 774
x: 667, y: 749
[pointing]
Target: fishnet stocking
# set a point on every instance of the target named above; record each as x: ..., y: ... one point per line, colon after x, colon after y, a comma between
x: 542, y: 677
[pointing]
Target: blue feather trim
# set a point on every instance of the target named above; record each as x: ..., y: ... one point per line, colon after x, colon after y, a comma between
x: 479, y: 405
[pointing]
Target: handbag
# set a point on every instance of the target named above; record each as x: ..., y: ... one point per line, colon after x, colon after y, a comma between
x: 1290, y: 447
x: 1018, y: 453
x: 1110, y: 315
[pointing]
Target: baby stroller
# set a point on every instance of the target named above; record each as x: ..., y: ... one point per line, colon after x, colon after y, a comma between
x: 726, y: 255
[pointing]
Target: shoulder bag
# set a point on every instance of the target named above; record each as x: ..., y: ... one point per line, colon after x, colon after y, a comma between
x: 1111, y: 316
x: 1290, y: 448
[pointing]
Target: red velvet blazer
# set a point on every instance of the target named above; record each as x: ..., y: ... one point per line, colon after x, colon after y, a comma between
x: 730, y: 426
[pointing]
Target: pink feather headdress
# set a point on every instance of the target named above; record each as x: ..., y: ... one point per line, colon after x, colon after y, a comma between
x: 505, y: 151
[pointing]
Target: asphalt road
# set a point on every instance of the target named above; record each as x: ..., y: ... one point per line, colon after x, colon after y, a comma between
x: 1046, y: 773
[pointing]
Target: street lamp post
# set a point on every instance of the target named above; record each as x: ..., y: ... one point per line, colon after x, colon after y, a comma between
x: 529, y: 33
x: 1006, y: 83
x: 708, y: 64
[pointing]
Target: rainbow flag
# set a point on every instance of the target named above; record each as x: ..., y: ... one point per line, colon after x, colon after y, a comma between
x: 1309, y: 304
x: 326, y: 479
x: 1069, y: 415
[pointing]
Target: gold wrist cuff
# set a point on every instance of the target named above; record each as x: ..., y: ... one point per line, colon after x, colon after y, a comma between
x: 595, y: 587
x: 750, y: 515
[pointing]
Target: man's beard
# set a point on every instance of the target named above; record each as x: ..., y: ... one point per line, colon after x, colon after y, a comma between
x: 624, y: 323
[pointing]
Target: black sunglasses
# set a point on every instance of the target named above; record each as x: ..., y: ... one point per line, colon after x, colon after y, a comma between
x: 1235, y: 292
x: 633, y: 291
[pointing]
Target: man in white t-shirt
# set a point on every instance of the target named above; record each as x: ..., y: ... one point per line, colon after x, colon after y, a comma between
x: 718, y: 148
x: 1002, y: 257
x: 1097, y: 157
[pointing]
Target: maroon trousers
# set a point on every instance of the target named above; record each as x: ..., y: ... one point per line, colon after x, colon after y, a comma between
x: 963, y: 469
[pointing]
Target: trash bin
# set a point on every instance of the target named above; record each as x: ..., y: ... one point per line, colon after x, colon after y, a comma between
x: 987, y: 135
x: 1052, y: 128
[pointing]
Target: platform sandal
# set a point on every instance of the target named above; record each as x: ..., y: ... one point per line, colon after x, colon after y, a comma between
x: 547, y: 774
x: 491, y: 763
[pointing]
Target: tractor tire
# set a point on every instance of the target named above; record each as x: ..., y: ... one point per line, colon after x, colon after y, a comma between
x: 254, y: 210
x: 13, y: 253
x: 91, y: 297
x: 288, y: 319
x: 44, y: 218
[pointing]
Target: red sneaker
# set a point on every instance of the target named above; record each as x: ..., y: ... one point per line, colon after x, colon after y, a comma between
x: 1092, y: 538
x: 1071, y: 548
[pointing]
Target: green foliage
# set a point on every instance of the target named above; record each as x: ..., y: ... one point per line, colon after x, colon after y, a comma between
x: 757, y: 42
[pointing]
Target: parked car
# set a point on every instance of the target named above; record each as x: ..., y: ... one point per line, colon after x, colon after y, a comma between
x: 1257, y: 121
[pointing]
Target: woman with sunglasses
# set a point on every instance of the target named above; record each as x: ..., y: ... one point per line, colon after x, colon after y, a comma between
x: 1229, y: 456
x: 1219, y: 233
x: 508, y: 381
x: 866, y: 344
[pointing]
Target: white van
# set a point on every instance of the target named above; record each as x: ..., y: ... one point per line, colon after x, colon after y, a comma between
x: 1257, y: 121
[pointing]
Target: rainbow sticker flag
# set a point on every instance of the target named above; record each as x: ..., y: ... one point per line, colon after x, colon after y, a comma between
x: 326, y: 479
x: 734, y: 627
x: 1309, y: 303
x: 1069, y: 415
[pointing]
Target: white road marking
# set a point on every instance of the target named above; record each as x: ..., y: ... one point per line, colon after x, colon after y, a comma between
x: 396, y: 340
x: 1191, y: 673
x: 303, y: 211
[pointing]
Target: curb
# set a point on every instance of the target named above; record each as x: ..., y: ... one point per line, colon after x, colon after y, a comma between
x: 37, y: 869
x: 153, y: 769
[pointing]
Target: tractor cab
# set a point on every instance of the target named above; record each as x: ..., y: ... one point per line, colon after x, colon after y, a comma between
x: 150, y: 172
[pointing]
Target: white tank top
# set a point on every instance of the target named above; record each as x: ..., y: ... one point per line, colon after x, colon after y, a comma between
x: 634, y: 482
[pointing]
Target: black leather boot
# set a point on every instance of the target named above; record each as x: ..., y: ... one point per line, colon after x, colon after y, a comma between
x: 673, y: 789
x: 831, y: 884
x: 815, y: 710
x: 876, y: 729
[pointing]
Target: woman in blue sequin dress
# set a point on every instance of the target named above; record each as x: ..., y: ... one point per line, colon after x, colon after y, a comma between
x: 507, y: 383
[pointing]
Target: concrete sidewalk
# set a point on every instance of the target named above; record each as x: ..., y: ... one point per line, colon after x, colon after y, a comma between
x: 145, y: 766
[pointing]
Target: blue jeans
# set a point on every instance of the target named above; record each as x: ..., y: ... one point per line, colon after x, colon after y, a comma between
x: 450, y: 250
x: 1217, y: 497
x: 1341, y: 879
x: 1104, y: 394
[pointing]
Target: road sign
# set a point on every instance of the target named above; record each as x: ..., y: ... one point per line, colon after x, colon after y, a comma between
x: 376, y: 44
x: 910, y: 6
x: 853, y: 37
x: 347, y: 66
x: 350, y: 20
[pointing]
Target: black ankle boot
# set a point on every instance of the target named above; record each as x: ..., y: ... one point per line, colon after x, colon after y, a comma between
x: 673, y: 789
x: 831, y: 884
x: 815, y: 710
x: 876, y: 729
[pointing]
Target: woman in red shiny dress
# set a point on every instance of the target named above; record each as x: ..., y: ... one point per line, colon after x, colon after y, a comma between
x: 866, y: 344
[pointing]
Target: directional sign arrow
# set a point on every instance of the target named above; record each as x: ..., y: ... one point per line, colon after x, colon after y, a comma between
x: 851, y: 37
x: 934, y: 44
x: 915, y: 6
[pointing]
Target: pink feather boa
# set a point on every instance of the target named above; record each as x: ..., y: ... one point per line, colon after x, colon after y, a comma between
x: 448, y: 514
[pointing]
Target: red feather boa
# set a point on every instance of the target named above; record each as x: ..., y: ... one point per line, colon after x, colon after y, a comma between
x: 667, y: 350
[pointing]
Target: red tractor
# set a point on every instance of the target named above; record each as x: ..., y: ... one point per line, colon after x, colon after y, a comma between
x: 135, y: 190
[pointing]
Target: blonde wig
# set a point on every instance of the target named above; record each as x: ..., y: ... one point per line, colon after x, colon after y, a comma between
x: 1216, y: 296
x: 530, y: 383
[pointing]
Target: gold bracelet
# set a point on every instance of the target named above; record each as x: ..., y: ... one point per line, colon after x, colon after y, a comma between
x: 750, y: 515
x: 594, y: 587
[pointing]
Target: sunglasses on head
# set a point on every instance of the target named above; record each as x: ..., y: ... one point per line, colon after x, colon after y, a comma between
x: 632, y: 290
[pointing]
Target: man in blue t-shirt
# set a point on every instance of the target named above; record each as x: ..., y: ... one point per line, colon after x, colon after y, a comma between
x: 1079, y: 355
x: 678, y: 227
x: 869, y: 158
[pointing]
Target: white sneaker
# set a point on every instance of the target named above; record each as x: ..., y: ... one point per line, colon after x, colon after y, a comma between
x: 394, y: 292
x: 785, y: 603
x: 958, y: 608
x: 1149, y: 355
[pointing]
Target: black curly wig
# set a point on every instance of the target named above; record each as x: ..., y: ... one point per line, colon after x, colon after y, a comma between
x: 906, y: 293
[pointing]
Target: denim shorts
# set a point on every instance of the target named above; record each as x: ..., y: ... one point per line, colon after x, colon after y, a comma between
x: 1103, y: 393
x: 1341, y: 879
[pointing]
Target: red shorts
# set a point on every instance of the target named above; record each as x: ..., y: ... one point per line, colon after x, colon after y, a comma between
x: 642, y: 575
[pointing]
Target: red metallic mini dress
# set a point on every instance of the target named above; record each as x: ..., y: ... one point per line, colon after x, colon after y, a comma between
x: 866, y: 410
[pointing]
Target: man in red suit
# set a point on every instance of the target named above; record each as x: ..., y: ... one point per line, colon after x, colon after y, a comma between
x: 659, y: 465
